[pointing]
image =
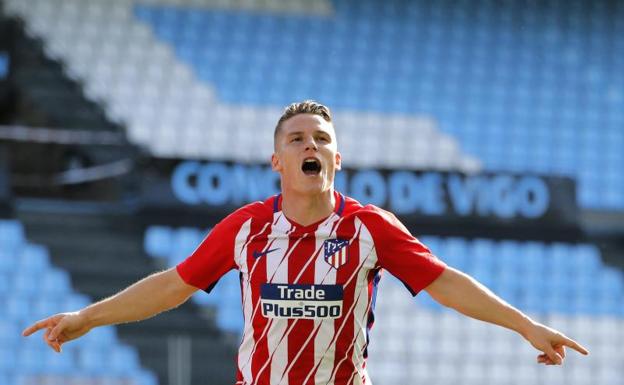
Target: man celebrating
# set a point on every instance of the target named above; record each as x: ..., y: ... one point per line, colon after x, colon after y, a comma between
x: 310, y: 260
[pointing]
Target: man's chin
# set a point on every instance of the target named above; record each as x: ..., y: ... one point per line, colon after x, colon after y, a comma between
x: 314, y: 187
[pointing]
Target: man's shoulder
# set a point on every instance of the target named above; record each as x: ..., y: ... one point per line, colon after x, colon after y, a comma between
x: 353, y: 207
x: 258, y: 210
x: 369, y: 214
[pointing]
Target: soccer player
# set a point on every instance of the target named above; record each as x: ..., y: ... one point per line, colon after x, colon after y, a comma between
x: 310, y: 260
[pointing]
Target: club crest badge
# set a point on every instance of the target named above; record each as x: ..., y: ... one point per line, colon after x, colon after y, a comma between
x: 336, y: 252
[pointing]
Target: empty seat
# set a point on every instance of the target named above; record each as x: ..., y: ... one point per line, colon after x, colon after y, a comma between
x: 11, y: 233
x: 124, y: 360
x: 93, y: 360
x: 33, y: 259
x: 9, y: 332
x: 55, y: 282
x: 8, y: 358
x: 30, y: 358
x: 158, y: 241
x: 18, y: 307
x: 59, y: 364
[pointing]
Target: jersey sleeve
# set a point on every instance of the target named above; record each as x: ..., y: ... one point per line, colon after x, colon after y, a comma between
x: 399, y: 252
x: 214, y: 256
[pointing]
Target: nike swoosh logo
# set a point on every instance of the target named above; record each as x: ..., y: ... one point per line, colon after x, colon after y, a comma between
x: 257, y: 254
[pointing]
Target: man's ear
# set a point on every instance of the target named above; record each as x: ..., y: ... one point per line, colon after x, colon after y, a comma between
x: 338, y: 161
x: 275, y: 163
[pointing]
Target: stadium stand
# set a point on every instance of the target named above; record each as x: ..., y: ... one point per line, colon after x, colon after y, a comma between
x: 100, y: 247
x: 92, y: 38
x: 206, y: 72
x: 172, y: 246
x: 567, y: 286
x: 31, y: 289
x: 526, y: 87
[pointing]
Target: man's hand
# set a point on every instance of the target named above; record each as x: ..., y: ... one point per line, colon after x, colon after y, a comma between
x: 60, y: 328
x: 146, y: 298
x: 464, y: 294
x: 552, y: 343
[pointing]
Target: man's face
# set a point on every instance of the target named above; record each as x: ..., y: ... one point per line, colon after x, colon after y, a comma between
x: 306, y: 155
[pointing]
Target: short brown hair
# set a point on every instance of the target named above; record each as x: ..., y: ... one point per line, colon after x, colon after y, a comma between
x: 305, y: 107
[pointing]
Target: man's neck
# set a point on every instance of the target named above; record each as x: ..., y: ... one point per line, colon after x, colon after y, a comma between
x: 306, y: 209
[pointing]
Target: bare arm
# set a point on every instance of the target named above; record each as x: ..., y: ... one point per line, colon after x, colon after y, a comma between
x: 457, y: 290
x: 151, y: 295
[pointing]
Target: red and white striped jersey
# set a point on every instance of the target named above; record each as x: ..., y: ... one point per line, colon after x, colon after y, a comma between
x: 308, y: 292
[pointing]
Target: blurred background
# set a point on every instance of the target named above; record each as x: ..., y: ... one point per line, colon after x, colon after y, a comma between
x: 493, y: 129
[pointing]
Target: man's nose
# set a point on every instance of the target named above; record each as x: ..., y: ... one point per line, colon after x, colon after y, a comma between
x: 311, y: 145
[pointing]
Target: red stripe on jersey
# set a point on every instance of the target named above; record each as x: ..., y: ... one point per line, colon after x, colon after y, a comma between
x: 262, y: 371
x: 301, y: 271
x: 257, y: 271
x: 306, y: 351
x: 347, y: 273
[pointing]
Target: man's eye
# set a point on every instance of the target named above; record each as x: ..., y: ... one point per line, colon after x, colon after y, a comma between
x: 296, y: 139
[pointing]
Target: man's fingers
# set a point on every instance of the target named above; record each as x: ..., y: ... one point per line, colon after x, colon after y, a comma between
x: 48, y: 322
x: 574, y: 345
x: 58, y: 329
x: 561, y: 350
x: 553, y: 355
x: 53, y: 344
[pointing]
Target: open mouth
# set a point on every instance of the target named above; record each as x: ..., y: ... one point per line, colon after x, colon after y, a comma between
x: 311, y: 166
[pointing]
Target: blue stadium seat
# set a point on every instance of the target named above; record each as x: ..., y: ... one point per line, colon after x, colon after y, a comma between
x: 186, y: 240
x: 610, y: 283
x: 27, y: 283
x: 454, y: 251
x: 44, y: 306
x: 91, y: 359
x: 75, y: 302
x: 426, y: 301
x: 5, y: 284
x: 8, y: 359
x: 55, y: 283
x: 230, y: 318
x: 11, y: 234
x: 124, y: 360
x: 9, y: 332
x: 59, y: 364
x: 6, y: 378
x: 158, y: 241
x: 587, y: 259
x: 8, y: 259
x: 32, y: 289
x: 144, y: 377
x: 18, y: 307
x: 30, y: 358
x: 433, y: 56
x: 33, y: 258
x: 104, y: 336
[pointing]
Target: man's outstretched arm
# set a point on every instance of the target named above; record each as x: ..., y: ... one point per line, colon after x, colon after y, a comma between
x: 144, y: 299
x: 459, y: 291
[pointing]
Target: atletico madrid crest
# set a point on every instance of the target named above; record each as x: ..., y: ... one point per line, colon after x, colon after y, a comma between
x: 336, y: 252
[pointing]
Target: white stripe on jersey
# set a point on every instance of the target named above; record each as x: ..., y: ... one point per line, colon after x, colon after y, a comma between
x: 323, y: 334
x: 324, y: 230
x: 368, y: 259
x: 241, y: 259
x: 249, y: 344
x: 323, y: 274
x: 284, y: 338
x: 328, y: 368
x: 272, y: 236
x: 361, y: 312
x: 277, y: 270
